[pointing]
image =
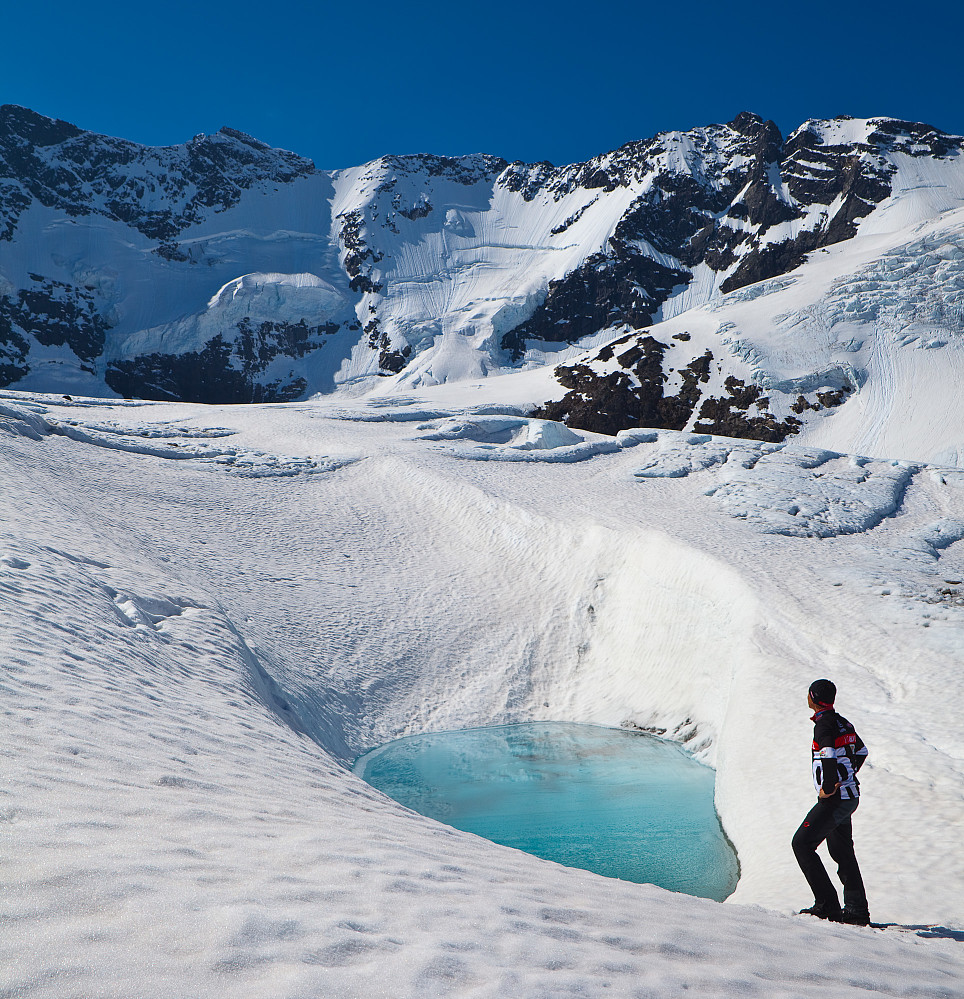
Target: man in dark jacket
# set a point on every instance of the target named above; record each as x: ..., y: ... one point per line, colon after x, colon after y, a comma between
x: 838, y: 753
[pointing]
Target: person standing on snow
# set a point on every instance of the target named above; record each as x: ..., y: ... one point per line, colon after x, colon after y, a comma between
x: 838, y: 753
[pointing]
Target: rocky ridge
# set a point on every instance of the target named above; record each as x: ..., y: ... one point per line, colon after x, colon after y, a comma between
x: 159, y: 191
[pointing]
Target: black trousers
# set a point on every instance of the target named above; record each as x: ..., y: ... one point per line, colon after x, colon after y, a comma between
x: 829, y: 820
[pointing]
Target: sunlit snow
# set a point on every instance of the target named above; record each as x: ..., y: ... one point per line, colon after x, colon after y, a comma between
x: 210, y: 611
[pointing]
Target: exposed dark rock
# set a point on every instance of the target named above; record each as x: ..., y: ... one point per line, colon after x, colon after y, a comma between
x: 360, y: 257
x: 771, y: 260
x: 248, y: 140
x: 599, y: 178
x: 197, y: 376
x: 686, y: 214
x: 14, y: 348
x: 670, y: 214
x: 863, y: 189
x: 728, y: 416
x: 172, y: 252
x: 392, y: 361
x: 830, y: 399
x: 605, y: 291
x: 35, y: 129
x: 224, y: 371
x: 610, y: 401
x: 527, y: 179
x: 815, y: 174
x: 258, y: 346
x: 716, y: 245
x: 825, y: 400
x: 619, y: 400
x: 913, y: 138
x: 608, y: 352
x: 14, y: 200
x: 573, y: 219
x: 759, y: 203
x: 56, y: 314
x: 420, y: 210
x: 466, y: 170
x: 602, y: 404
x: 707, y: 196
x: 761, y: 206
x: 764, y: 134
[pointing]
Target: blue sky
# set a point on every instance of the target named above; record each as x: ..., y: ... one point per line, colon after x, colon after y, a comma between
x: 343, y: 83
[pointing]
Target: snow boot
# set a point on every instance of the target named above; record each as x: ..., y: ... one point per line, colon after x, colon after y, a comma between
x: 823, y: 911
x: 856, y: 917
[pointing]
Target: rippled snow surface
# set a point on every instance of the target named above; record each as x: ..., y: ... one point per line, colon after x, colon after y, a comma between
x: 619, y: 803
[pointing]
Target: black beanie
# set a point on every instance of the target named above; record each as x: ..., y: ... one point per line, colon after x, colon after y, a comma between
x: 823, y: 692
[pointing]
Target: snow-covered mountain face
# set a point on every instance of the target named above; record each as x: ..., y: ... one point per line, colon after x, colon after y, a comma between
x: 225, y: 271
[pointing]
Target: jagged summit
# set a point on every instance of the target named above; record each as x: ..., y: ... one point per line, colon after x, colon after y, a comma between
x: 435, y: 268
x: 158, y: 190
x: 248, y: 140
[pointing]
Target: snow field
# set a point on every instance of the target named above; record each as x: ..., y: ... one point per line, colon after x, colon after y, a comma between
x: 193, y: 655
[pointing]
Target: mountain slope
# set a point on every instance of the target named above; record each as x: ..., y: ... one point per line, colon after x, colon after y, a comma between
x: 116, y: 262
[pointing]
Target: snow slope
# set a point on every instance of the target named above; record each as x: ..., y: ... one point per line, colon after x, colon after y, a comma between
x: 210, y: 610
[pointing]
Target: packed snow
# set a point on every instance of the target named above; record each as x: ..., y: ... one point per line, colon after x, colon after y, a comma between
x: 210, y: 611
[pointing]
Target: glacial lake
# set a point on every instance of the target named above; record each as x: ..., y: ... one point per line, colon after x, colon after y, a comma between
x: 620, y: 803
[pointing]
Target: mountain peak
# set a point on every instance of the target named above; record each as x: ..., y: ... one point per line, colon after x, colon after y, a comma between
x: 753, y: 126
x: 248, y: 140
x: 33, y: 128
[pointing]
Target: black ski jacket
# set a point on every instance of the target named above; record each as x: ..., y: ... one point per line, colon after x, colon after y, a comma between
x: 838, y: 753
